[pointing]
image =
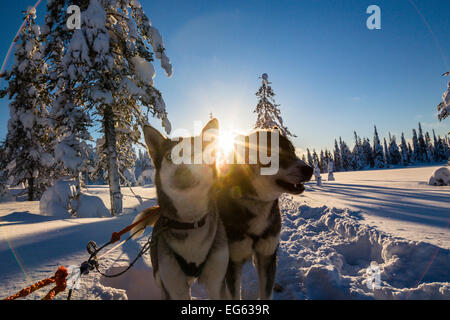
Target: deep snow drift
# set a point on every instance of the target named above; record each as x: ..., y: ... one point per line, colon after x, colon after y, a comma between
x: 334, y: 243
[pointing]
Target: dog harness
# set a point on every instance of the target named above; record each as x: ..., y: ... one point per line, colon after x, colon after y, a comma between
x: 190, y: 269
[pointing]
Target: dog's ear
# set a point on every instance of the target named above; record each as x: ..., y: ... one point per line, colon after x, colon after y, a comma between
x: 212, y: 124
x: 278, y: 129
x: 211, y: 130
x: 154, y: 140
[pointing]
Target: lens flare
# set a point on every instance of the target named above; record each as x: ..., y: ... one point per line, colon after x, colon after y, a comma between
x: 225, y: 143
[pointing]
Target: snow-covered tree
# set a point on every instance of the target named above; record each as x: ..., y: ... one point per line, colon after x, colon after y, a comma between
x: 346, y: 155
x: 268, y: 113
x: 337, y: 157
x: 387, y: 160
x: 368, y: 153
x: 315, y: 158
x: 110, y: 61
x: 428, y: 147
x: 330, y: 169
x: 443, y: 108
x: 28, y: 144
x: 358, y: 159
x: 378, y: 157
x: 395, y: 157
x: 422, y: 145
x: 416, y: 155
x: 404, y: 151
x: 69, y: 116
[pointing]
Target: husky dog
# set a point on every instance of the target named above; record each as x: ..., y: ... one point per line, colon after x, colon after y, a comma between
x: 248, y: 206
x: 189, y: 238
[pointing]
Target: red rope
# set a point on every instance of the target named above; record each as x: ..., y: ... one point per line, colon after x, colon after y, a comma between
x: 60, y: 279
x: 61, y: 274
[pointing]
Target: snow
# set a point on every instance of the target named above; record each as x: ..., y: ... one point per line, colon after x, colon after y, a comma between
x: 55, y: 201
x: 60, y: 199
x: 67, y: 155
x: 146, y: 177
x: 144, y: 70
x: 378, y: 234
x: 441, y: 177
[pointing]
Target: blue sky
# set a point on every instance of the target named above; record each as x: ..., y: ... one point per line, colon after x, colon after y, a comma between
x: 331, y: 74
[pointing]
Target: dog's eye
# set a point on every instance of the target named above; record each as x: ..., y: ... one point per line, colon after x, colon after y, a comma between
x: 169, y: 156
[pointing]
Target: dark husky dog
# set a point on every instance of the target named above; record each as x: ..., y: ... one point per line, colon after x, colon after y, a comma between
x: 248, y: 205
x: 189, y: 238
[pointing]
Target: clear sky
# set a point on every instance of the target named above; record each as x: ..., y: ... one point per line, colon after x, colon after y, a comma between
x: 331, y: 74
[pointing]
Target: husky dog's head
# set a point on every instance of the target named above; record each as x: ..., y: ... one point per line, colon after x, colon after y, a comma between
x: 182, y: 181
x: 290, y: 176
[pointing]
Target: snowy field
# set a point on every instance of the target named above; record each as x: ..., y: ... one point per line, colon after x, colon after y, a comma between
x: 380, y: 234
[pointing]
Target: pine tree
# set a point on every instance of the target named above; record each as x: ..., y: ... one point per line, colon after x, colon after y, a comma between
x: 386, y: 154
x: 422, y: 146
x: 268, y: 113
x: 346, y: 155
x: 410, y: 153
x: 428, y: 147
x: 358, y: 159
x: 110, y: 63
x: 322, y: 161
x: 394, y: 154
x: 443, y: 108
x: 435, y: 148
x: 70, y: 120
x: 315, y: 158
x: 416, y: 154
x: 337, y: 157
x: 404, y: 151
x: 28, y: 141
x: 368, y: 153
x: 378, y: 156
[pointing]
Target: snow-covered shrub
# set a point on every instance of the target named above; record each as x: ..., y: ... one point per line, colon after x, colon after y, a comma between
x: 441, y: 177
x: 317, y: 174
x: 146, y: 177
x: 55, y: 201
x: 60, y: 201
x: 89, y: 206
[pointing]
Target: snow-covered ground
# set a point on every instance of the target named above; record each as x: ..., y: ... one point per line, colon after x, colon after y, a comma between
x: 379, y: 234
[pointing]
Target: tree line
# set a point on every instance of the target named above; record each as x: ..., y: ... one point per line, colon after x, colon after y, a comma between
x: 366, y: 155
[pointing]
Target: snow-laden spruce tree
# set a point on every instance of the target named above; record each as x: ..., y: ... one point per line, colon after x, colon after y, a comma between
x: 416, y: 155
x: 404, y: 151
x: 368, y: 153
x: 358, y: 159
x: 394, y: 153
x: 110, y: 60
x: 429, y: 147
x: 423, y: 155
x: 378, y: 157
x: 337, y: 157
x: 69, y: 117
x: 346, y: 155
x: 443, y: 107
x: 28, y: 144
x: 268, y: 113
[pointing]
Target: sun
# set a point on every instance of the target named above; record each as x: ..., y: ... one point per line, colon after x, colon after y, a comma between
x: 225, y: 144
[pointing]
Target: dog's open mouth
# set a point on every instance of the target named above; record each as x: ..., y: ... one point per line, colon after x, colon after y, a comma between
x: 296, y: 188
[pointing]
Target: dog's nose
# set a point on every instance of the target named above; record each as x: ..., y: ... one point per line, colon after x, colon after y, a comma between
x: 183, y: 177
x: 307, y: 171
